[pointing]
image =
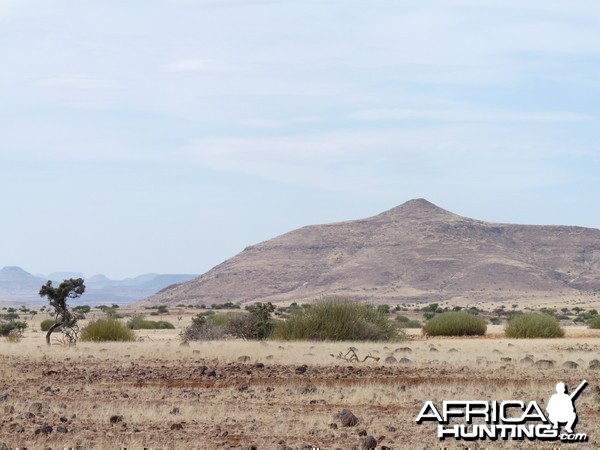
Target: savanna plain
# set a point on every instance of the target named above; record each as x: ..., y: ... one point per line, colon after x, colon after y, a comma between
x: 156, y: 393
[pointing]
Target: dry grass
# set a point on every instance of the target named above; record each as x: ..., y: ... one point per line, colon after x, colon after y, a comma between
x: 156, y: 385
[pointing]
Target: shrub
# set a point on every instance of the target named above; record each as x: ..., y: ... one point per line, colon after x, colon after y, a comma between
x: 138, y: 322
x: 337, y: 319
x: 533, y: 325
x: 405, y: 322
x: 455, y: 323
x: 14, y: 338
x: 10, y: 327
x: 107, y: 330
x: 594, y: 323
x: 207, y: 326
x: 46, y: 324
x: 411, y: 324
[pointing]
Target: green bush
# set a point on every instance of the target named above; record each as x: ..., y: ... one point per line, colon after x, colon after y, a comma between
x: 337, y: 319
x: 208, y: 326
x: 533, y: 325
x: 405, y: 322
x: 46, y: 324
x: 107, y: 330
x: 455, y: 323
x: 594, y: 323
x: 6, y: 328
x: 138, y: 322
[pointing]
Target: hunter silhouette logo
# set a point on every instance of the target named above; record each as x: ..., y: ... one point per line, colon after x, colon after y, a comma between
x: 509, y: 419
x: 561, y: 408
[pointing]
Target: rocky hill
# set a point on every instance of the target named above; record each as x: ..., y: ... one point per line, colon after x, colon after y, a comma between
x: 414, y: 252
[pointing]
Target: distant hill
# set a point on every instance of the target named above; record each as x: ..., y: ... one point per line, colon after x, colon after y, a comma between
x: 414, y: 252
x: 18, y: 286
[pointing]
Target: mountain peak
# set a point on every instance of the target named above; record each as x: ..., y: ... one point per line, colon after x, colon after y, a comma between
x: 418, y: 208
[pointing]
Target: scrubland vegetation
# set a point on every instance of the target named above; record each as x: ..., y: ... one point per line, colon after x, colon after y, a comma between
x: 534, y: 326
x: 455, y: 323
x: 110, y: 329
x: 337, y: 319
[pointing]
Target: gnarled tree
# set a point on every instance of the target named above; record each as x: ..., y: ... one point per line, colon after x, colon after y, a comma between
x: 65, y: 318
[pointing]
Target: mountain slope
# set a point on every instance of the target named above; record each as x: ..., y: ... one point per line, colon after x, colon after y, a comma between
x: 17, y: 285
x: 415, y: 251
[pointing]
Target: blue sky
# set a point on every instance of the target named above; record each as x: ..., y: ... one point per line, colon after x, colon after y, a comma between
x: 167, y: 135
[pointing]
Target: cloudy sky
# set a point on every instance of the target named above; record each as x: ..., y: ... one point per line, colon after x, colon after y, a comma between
x: 167, y: 135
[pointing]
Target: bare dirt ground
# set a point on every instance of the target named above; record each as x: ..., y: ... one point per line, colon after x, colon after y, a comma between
x: 275, y: 395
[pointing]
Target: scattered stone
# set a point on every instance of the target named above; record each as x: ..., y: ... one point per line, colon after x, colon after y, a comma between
x: 506, y: 359
x: 369, y: 443
x: 62, y: 430
x: 526, y: 360
x: 242, y: 387
x: 391, y: 360
x: 432, y: 349
x: 594, y: 364
x: 124, y: 395
x: 63, y: 419
x: 244, y: 358
x: 3, y: 397
x: 362, y: 432
x: 570, y: 365
x: 202, y: 370
x: 269, y: 357
x: 544, y: 364
x: 403, y: 350
x: 259, y: 365
x: 36, y: 408
x: 175, y: 411
x: 301, y: 369
x: 116, y: 419
x: 44, y: 429
x: 9, y: 409
x: 390, y: 429
x: 404, y: 361
x: 211, y: 373
x: 177, y: 426
x: 333, y: 426
x: 308, y: 389
x: 347, y: 418
x: 452, y: 350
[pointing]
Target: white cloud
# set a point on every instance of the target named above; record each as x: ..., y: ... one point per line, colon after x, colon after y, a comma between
x: 465, y: 115
x: 276, y: 123
x: 78, y: 82
x: 198, y: 65
x: 498, y: 157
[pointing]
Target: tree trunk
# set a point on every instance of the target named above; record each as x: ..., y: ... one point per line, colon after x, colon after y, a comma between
x: 51, y: 330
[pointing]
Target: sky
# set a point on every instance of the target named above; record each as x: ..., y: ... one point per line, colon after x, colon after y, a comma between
x: 165, y: 136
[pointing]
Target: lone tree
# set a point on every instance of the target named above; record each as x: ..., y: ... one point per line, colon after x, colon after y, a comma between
x: 65, y: 318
